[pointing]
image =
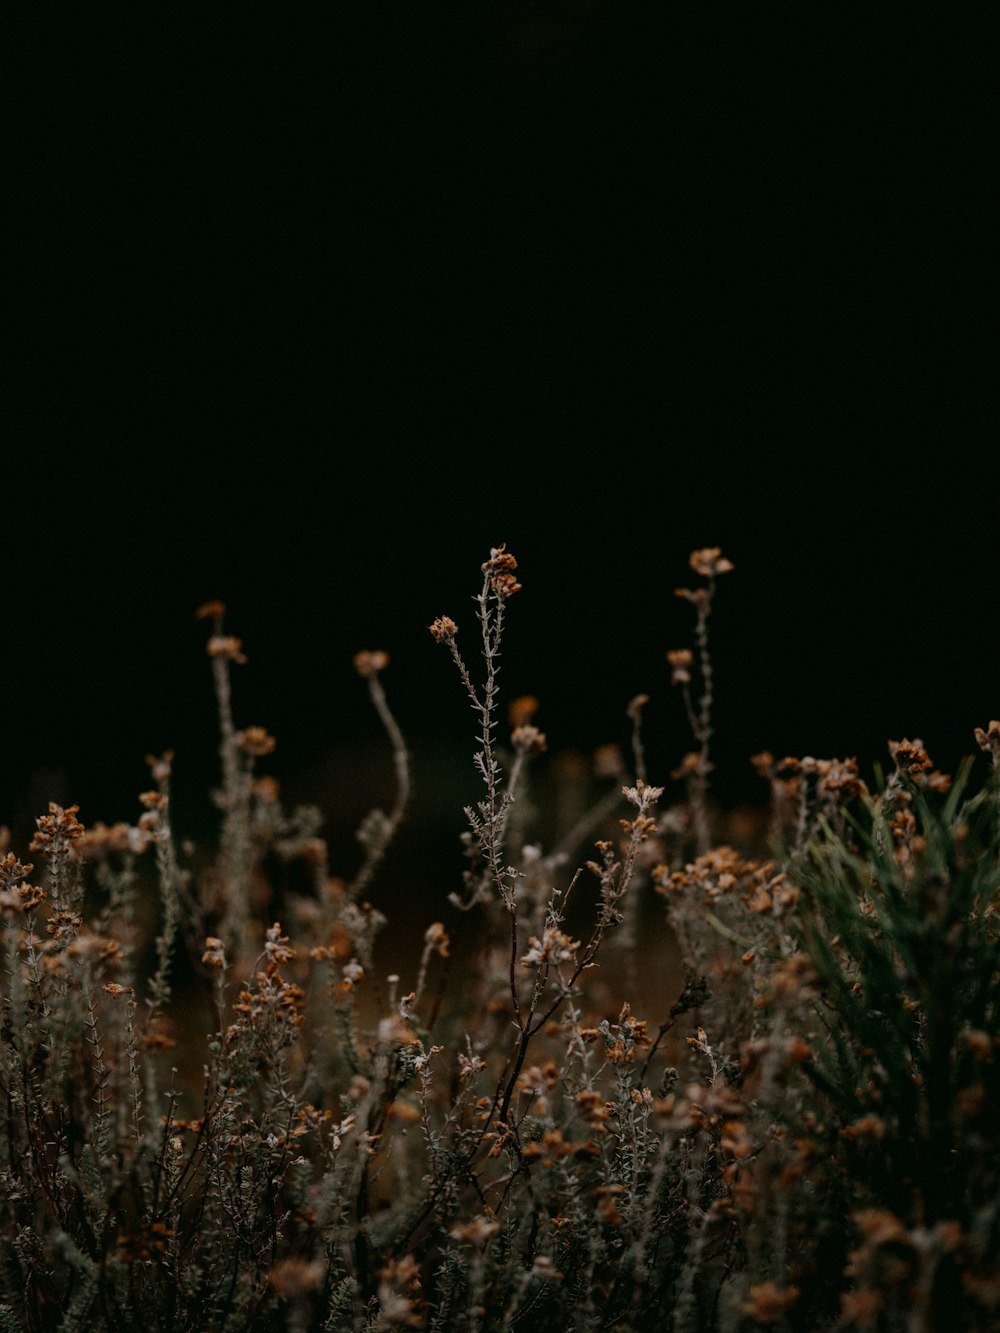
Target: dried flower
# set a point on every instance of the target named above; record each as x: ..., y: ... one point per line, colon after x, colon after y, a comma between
x: 623, y: 1040
x: 399, y: 1294
x: 698, y: 597
x: 500, y: 568
x: 910, y: 756
x: 609, y: 762
x: 767, y: 1301
x: 865, y: 1127
x: 256, y: 742
x: 505, y: 585
x: 436, y: 937
x: 527, y: 739
x: 477, y: 1231
x: 31, y: 896
x: 293, y: 1278
x: 878, y: 1226
x: 680, y: 661
x: 276, y: 946
x: 522, y: 710
x: 861, y: 1307
x: 444, y: 629
x: 709, y: 562
x: 635, y: 706
x: 545, y: 1270
x: 226, y: 646
x: 63, y: 924
x: 553, y: 947
x: 160, y: 765
x: 267, y: 790
x: 500, y: 561
x: 989, y: 741
x: 57, y: 831
x: 215, y: 953
x: 352, y: 973
x: 980, y: 1044
x: 642, y: 795
x: 115, y: 990
x: 369, y: 663
x: 838, y: 779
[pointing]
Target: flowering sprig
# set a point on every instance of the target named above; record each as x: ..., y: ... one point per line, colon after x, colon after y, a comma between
x: 488, y: 819
x: 696, y: 766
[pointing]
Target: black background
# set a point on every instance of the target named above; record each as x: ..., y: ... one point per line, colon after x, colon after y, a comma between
x: 313, y: 305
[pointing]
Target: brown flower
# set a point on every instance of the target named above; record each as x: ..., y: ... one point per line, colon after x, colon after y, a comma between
x: 680, y: 661
x: 692, y: 765
x: 369, y: 664
x: 710, y: 561
x: 227, y: 646
x: 436, y: 937
x: 910, y: 756
x: 500, y: 561
x: 256, y: 742
x: 500, y: 568
x: 476, y: 1232
x: 114, y: 989
x: 609, y: 762
x: 30, y: 896
x: 102, y: 839
x: 294, y: 1277
x: 267, y: 790
x: 696, y: 596
x: 522, y: 710
x: 159, y: 765
x: 868, y: 1126
x: 862, y: 1306
x: 635, y: 706
x: 214, y: 955
x: 504, y: 585
x: 989, y: 740
x: 56, y: 830
x: 528, y: 740
x: 766, y: 1301
x: 444, y: 629
x: 879, y: 1226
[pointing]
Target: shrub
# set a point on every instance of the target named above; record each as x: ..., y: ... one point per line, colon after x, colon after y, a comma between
x: 802, y: 1136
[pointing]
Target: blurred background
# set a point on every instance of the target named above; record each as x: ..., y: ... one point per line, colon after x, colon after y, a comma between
x: 314, y: 305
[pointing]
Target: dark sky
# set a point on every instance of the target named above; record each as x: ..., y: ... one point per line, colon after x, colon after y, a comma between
x: 313, y: 305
